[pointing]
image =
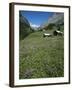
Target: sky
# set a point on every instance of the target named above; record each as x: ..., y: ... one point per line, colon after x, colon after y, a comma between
x: 36, y: 18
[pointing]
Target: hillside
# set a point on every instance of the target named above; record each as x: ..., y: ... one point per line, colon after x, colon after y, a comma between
x: 41, y: 57
x: 57, y: 18
x: 54, y: 22
x: 24, y: 27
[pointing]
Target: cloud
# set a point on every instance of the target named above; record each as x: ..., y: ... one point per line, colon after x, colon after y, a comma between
x: 34, y: 25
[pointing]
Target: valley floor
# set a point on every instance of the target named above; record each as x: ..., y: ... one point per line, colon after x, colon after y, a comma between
x: 41, y: 57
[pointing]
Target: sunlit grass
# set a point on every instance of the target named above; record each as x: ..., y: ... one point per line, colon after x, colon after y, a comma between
x: 41, y: 57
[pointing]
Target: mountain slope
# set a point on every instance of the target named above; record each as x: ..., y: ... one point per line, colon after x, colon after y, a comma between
x: 24, y: 27
x: 56, y: 20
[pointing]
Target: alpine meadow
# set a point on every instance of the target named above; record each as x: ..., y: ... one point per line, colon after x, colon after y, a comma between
x: 41, y: 44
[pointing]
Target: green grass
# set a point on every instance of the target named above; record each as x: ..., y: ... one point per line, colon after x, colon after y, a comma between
x: 41, y: 57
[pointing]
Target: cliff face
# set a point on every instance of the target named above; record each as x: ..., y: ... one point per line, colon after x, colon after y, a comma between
x: 57, y: 20
x: 23, y: 20
x: 24, y: 27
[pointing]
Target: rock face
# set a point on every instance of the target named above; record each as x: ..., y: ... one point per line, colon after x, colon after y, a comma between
x: 24, y: 27
x: 23, y: 20
x: 56, y: 18
x: 57, y: 21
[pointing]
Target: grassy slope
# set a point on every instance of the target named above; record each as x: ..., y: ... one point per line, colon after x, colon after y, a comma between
x: 41, y: 57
